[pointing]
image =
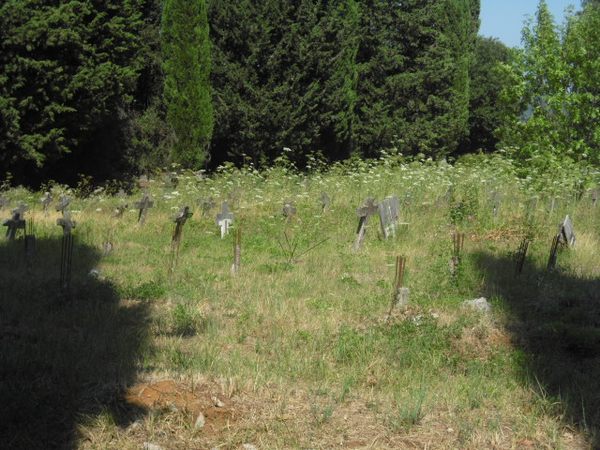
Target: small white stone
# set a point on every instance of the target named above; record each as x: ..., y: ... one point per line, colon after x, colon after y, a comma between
x: 151, y: 446
x: 479, y: 304
x: 200, y: 422
x: 218, y: 403
x: 249, y: 447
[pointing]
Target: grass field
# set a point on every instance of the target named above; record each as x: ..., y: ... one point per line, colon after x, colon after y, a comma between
x: 297, y: 349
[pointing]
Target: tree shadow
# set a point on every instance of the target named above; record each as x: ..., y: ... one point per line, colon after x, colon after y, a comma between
x: 555, y: 318
x: 63, y: 358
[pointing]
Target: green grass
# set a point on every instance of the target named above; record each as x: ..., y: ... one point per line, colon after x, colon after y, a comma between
x: 300, y: 342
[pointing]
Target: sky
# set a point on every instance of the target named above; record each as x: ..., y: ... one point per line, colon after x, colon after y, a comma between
x: 503, y: 19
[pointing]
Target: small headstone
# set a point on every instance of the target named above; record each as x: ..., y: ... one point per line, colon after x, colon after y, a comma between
x: 566, y: 233
x: 206, y: 205
x: 171, y: 180
x: 224, y: 219
x: 46, y: 200
x: 368, y: 209
x: 325, y: 201
x: 289, y: 210
x: 143, y: 205
x: 63, y: 203
x: 15, y: 223
x: 120, y: 210
x: 389, y: 210
x: 143, y: 182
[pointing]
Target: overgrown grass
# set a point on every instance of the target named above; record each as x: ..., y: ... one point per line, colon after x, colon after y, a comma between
x: 301, y: 345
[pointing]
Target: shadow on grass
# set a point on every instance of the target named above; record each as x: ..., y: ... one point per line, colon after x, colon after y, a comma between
x: 555, y: 318
x: 61, y: 360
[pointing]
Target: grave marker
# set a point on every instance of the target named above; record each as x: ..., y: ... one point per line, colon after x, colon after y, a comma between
x: 144, y: 183
x: 3, y: 203
x: 224, y: 219
x: 389, y: 211
x: 458, y: 242
x: 15, y: 223
x: 401, y: 293
x: 30, y: 244
x: 237, y: 252
x: 364, y: 212
x: 325, y: 201
x: 46, y: 200
x: 566, y: 233
x: 496, y: 200
x: 143, y: 206
x: 521, y: 256
x: 289, y: 210
x: 180, y: 219
x: 206, y: 205
x: 66, y: 255
x: 63, y: 203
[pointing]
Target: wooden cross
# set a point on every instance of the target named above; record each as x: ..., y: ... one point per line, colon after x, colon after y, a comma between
x: 66, y: 223
x: 224, y: 219
x: 46, y: 201
x: 15, y: 223
x: 143, y: 205
x: 368, y: 209
x: 63, y: 202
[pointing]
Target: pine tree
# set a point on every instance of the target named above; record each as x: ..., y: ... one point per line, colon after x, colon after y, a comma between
x: 187, y: 66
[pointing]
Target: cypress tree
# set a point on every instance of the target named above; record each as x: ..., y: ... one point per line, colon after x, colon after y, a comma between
x: 187, y: 66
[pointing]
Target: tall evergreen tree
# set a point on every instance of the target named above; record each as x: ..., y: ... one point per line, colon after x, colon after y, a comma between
x: 187, y: 66
x: 68, y: 72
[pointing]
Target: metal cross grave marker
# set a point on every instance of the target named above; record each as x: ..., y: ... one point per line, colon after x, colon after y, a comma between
x: 180, y: 219
x: 143, y: 205
x: 224, y: 219
x: 368, y: 209
x: 15, y: 223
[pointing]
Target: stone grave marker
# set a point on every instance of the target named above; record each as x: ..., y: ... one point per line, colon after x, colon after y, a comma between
x: 325, y: 201
x: 63, y: 203
x: 206, y: 205
x: 122, y: 206
x: 143, y: 183
x: 46, y: 201
x: 389, y: 212
x: 368, y: 209
x: 66, y: 255
x: 180, y: 219
x: 15, y: 223
x: 289, y: 210
x: 224, y: 219
x: 143, y: 206
x: 566, y: 233
x: 530, y: 208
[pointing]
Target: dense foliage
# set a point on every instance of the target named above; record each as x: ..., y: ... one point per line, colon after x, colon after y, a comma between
x: 109, y: 88
x: 555, y: 85
x: 186, y: 60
